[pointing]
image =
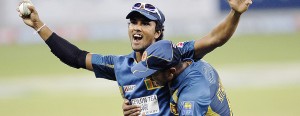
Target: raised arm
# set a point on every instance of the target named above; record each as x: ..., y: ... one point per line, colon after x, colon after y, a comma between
x: 64, y: 50
x: 222, y: 32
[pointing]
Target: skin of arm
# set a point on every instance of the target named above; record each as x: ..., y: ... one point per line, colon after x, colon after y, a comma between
x: 222, y: 32
x: 34, y: 22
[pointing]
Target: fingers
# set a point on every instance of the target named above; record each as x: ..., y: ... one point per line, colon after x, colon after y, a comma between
x: 20, y: 14
x: 126, y: 105
x: 32, y: 9
x: 19, y: 6
x: 130, y: 110
x: 144, y: 114
x: 126, y: 102
x: 249, y: 2
x: 135, y: 113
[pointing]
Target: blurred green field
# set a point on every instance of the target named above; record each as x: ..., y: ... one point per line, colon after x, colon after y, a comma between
x: 272, y: 101
x: 37, y: 59
x: 50, y: 104
x: 25, y: 61
x: 269, y: 101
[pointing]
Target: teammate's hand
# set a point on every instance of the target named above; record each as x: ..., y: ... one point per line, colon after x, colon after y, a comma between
x: 130, y: 110
x: 33, y: 19
x: 240, y: 6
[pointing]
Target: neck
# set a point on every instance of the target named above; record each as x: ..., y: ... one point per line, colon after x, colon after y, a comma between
x: 181, y: 67
x: 138, y: 56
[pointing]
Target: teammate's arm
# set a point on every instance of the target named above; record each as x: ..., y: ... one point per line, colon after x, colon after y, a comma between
x: 65, y: 51
x: 222, y: 32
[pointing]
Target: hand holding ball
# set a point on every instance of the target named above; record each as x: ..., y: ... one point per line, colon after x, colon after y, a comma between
x: 24, y: 8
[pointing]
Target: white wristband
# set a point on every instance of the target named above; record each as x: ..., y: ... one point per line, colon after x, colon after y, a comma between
x: 39, y: 29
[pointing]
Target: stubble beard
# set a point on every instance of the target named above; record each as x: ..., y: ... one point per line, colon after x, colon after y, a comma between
x: 141, y: 48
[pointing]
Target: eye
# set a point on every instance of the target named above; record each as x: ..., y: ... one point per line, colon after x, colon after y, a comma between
x: 146, y: 23
x: 132, y: 22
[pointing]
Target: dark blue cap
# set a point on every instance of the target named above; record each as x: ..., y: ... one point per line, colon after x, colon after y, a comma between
x: 154, y: 14
x: 158, y: 56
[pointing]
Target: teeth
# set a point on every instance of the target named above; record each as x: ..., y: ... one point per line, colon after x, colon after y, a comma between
x: 137, y: 35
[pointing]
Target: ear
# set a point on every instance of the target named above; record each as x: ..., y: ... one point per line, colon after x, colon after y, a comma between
x: 171, y: 73
x: 157, y: 34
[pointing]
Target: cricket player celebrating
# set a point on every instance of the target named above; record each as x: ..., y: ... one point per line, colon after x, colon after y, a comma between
x: 146, y: 26
x: 195, y: 86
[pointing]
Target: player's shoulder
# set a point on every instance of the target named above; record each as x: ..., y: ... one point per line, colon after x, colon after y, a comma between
x: 203, y: 66
x: 186, y: 48
x: 198, y: 92
x: 183, y: 44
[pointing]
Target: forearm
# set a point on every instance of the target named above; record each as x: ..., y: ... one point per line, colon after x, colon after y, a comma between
x: 223, y: 32
x: 218, y: 36
x: 61, y: 48
x: 44, y: 31
x: 66, y: 52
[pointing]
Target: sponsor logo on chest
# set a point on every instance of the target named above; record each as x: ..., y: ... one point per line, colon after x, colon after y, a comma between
x: 149, y: 104
x: 151, y: 85
x: 129, y: 88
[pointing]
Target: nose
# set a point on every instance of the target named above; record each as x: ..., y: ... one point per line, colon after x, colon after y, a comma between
x: 137, y: 27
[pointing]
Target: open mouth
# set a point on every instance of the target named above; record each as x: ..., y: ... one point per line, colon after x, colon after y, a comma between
x: 137, y: 36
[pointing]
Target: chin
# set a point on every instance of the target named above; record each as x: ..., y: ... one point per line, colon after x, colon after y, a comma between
x: 138, y: 49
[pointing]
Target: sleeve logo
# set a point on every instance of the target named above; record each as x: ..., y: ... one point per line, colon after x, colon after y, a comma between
x: 180, y: 44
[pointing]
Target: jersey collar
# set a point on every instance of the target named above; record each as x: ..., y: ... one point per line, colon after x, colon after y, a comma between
x: 131, y: 56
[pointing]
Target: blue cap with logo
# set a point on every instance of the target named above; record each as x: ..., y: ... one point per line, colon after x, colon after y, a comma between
x: 159, y: 56
x: 148, y: 10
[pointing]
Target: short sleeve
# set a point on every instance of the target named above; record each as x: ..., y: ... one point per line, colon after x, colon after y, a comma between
x: 187, y: 49
x: 103, y: 66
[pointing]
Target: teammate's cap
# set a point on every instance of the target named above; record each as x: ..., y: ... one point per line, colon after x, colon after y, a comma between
x: 148, y: 10
x: 159, y: 56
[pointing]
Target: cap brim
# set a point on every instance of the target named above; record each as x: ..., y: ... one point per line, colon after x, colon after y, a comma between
x: 139, y: 70
x: 142, y: 12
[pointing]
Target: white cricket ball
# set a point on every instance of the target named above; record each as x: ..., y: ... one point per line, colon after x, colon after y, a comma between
x: 24, y: 8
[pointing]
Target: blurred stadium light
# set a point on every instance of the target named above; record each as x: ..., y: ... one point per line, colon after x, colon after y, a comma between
x: 103, y: 19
